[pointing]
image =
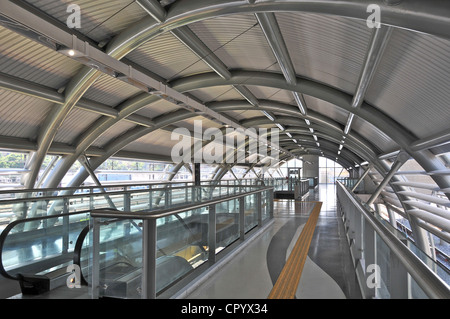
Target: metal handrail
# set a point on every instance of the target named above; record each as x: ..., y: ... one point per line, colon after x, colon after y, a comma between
x: 429, y: 281
x: 103, y: 213
x: 41, y: 190
x: 121, y: 192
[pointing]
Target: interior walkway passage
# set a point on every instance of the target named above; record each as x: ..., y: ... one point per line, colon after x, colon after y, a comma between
x: 328, y: 271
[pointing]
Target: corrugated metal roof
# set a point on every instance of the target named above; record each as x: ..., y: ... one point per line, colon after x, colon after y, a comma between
x: 76, y: 123
x: 268, y: 93
x: 21, y: 115
x: 327, y: 109
x: 384, y: 143
x: 100, y: 19
x: 28, y: 60
x: 218, y: 93
x: 167, y: 57
x: 113, y: 132
x: 110, y: 91
x: 238, y: 41
x: 158, y: 142
x: 155, y: 109
x: 412, y: 82
x: 328, y: 49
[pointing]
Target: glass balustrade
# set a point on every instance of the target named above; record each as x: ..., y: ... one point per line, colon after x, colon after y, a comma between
x: 38, y: 244
x: 41, y: 228
x: 187, y: 237
x: 389, y: 265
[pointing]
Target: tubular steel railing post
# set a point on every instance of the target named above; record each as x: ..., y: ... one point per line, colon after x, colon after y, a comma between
x: 149, y: 238
x: 433, y: 286
x: 126, y: 201
x: 259, y: 208
x: 212, y: 234
x: 66, y: 226
x: 95, y: 290
x: 242, y: 218
x: 269, y: 204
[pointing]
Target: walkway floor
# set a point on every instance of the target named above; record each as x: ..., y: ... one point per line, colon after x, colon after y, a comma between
x: 328, y: 272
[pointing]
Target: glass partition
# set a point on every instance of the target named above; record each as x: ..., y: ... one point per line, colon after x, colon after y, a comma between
x: 384, y: 265
x: 41, y: 228
x: 31, y: 245
x: 227, y: 223
x: 120, y: 258
x: 250, y: 212
x: 186, y: 238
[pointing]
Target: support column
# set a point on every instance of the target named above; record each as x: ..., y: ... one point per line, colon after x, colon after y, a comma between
x: 401, y: 159
x: 212, y: 234
x: 392, y: 219
x: 95, y: 276
x: 242, y: 218
x: 197, y: 174
x: 85, y: 162
x: 361, y: 178
x: 149, y: 239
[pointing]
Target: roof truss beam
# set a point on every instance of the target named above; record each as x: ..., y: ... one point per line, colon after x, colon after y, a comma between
x: 378, y: 42
x: 89, y: 55
x: 271, y: 30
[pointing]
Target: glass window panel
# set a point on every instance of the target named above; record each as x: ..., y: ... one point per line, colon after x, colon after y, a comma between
x: 322, y: 162
x: 329, y: 171
x: 322, y: 175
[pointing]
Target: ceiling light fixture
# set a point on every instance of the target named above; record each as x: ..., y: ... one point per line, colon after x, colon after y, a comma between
x: 270, y: 117
x: 300, y: 103
x: 349, y: 123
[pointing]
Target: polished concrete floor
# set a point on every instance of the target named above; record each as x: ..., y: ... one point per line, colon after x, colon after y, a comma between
x: 328, y: 272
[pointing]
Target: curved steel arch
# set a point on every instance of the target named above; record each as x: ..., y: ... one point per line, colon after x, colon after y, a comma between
x: 129, y: 137
x: 432, y: 17
x: 327, y: 125
x: 135, y: 103
x: 332, y: 95
x: 329, y: 130
x: 362, y: 152
x: 332, y: 147
x: 344, y: 163
x: 94, y: 132
x: 184, y: 13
